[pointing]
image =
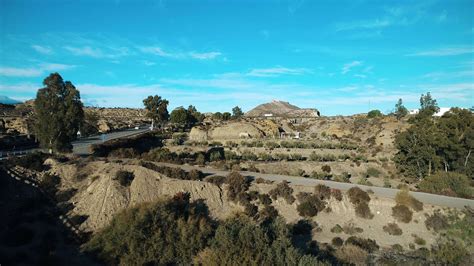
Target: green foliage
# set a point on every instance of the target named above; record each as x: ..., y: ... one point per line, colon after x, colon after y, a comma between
x: 215, y: 179
x: 451, y: 253
x: 157, y: 108
x: 360, y: 199
x: 160, y: 155
x: 59, y: 113
x: 367, y: 244
x: 428, y: 105
x: 125, y: 178
x: 446, y: 183
x: 237, y: 112
x: 162, y: 233
x: 400, y: 110
x: 371, y: 171
x: 404, y: 198
x: 240, y: 241
x: 402, y: 213
x: 374, y: 113
x: 436, y: 221
x: 282, y: 190
x: 310, y: 205
x: 226, y: 116
x: 186, y: 117
x: 362, y: 210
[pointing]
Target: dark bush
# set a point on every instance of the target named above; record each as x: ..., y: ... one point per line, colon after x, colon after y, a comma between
x: 337, y: 229
x: 357, y: 195
x: 65, y: 195
x: 250, y: 209
x: 402, y: 213
x: 238, y: 184
x: 351, y: 229
x: 326, y: 168
x: 268, y: 213
x: 125, y: 178
x: 362, y: 210
x: 161, y: 155
x: 337, y: 241
x: 306, y: 209
x: 123, y: 153
x: 337, y: 194
x: 310, y: 205
x: 392, y: 229
x: 449, y: 184
x: 140, y: 144
x: 437, y: 222
x: 283, y: 190
x: 368, y: 245
x: 33, y: 161
x: 215, y: 179
x: 168, y: 232
x: 264, y: 199
x: 195, y: 174
x: 322, y: 191
x: 50, y: 182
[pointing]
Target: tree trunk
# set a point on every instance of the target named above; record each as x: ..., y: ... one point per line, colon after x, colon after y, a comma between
x: 467, y: 158
x: 429, y: 168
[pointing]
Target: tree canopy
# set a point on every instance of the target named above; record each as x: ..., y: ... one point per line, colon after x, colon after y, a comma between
x: 59, y: 113
x: 157, y: 108
x: 400, y: 110
x: 237, y: 112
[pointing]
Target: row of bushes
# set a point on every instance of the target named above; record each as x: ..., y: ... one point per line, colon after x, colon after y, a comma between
x: 131, y: 146
x: 174, y: 172
x: 247, y: 155
x: 298, y: 144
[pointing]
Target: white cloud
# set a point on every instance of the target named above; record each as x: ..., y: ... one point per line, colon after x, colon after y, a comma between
x: 148, y: 63
x: 448, y: 75
x: 20, y: 72
x: 33, y: 72
x: 446, y: 51
x: 366, y: 24
x: 347, y: 67
x: 97, y: 52
x: 276, y: 71
x: 156, y: 50
x: 42, y: 49
x: 204, y: 56
x: 360, y: 76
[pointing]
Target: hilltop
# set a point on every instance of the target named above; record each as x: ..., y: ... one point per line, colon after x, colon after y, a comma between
x: 281, y: 109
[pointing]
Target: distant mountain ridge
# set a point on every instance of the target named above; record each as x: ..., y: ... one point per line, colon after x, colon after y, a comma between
x: 281, y: 109
x: 8, y: 100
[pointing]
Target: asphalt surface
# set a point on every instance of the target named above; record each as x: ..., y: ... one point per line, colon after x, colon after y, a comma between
x: 82, y: 146
x: 426, y: 198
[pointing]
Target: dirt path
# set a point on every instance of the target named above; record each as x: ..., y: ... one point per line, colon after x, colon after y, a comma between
x: 426, y: 198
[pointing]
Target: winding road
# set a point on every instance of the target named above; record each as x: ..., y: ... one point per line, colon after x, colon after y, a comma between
x: 382, y: 192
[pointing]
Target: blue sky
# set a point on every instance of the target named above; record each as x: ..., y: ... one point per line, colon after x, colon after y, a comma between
x: 342, y: 57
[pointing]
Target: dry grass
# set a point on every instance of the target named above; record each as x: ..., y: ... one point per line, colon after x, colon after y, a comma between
x: 404, y: 198
x: 352, y: 254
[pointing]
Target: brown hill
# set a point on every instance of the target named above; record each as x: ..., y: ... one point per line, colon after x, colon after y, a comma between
x: 281, y: 109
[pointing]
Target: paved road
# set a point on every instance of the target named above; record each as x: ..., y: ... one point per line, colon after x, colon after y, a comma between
x: 82, y: 146
x: 426, y: 198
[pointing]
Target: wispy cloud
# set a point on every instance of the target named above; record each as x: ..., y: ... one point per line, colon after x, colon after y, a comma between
x: 156, y: 50
x: 42, y: 49
x: 148, y: 63
x: 204, y: 56
x: 446, y: 51
x: 33, y: 72
x: 276, y: 71
x: 97, y: 52
x: 366, y: 24
x: 347, y: 67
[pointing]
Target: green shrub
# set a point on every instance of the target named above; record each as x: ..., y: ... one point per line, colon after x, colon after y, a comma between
x: 272, y: 145
x: 337, y: 229
x: 200, y: 159
x: 160, y: 155
x: 282, y: 190
x: 402, y: 213
x: 265, y: 157
x: 374, y: 113
x: 326, y: 168
x: 404, y: 198
x: 215, y: 156
x: 33, y: 161
x: 268, y: 213
x: 371, y: 171
x: 240, y: 241
x: 392, y: 229
x: 168, y: 232
x: 125, y: 178
x: 419, y: 241
x: 306, y: 209
x: 351, y: 229
x: 368, y: 245
x: 449, y: 184
x: 264, y: 199
x: 248, y: 156
x: 451, y: 253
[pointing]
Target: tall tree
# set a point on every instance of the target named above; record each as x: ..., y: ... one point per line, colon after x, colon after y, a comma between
x: 59, y: 113
x: 157, y: 109
x: 197, y: 116
x: 181, y: 116
x: 428, y: 105
x: 400, y: 110
x: 237, y: 112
